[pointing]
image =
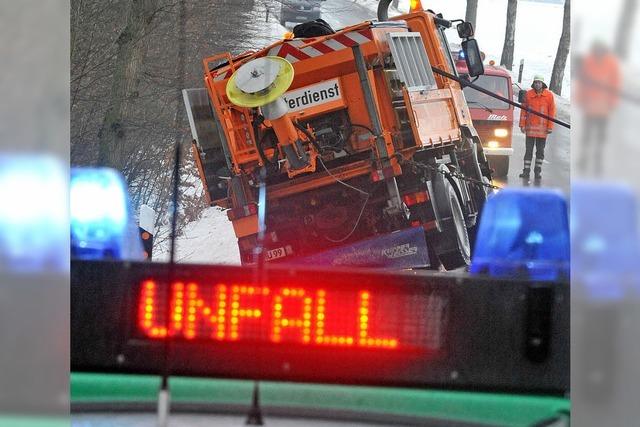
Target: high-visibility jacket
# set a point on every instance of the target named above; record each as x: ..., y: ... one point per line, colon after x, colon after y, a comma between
x: 598, y: 85
x: 544, y: 103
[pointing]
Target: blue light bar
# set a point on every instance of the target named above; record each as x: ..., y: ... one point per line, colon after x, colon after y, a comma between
x: 523, y: 233
x: 33, y: 214
x: 605, y: 249
x: 102, y: 226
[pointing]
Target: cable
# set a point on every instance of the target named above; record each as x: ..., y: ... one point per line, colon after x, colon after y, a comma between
x: 501, y: 98
x: 363, y: 127
x: 311, y: 138
x: 256, y: 122
x: 262, y: 154
x: 366, y: 200
x: 446, y: 174
x: 354, y: 227
x: 317, y: 147
x: 364, y: 204
x: 341, y: 182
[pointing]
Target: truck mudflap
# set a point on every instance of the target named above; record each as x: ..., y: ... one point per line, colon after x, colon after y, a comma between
x: 398, y: 250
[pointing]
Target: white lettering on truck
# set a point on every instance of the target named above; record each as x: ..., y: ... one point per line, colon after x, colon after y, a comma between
x: 496, y: 117
x: 400, y: 251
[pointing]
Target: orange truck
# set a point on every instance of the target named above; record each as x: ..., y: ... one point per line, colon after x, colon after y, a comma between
x: 492, y: 118
x: 352, y: 135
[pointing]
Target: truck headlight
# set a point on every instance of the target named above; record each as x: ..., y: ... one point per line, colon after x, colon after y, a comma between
x: 501, y: 133
x: 493, y: 144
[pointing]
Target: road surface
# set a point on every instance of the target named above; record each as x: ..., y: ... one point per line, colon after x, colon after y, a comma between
x: 342, y: 13
x: 621, y: 150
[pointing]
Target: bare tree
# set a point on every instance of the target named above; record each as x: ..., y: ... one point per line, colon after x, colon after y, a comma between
x: 128, y: 67
x: 509, y: 35
x: 555, y: 85
x: 131, y: 49
x: 625, y: 27
x: 472, y: 11
x: 94, y: 28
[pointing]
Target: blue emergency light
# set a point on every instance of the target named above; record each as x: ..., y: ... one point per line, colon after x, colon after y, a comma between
x: 605, y: 248
x: 33, y: 214
x: 102, y: 226
x: 523, y: 233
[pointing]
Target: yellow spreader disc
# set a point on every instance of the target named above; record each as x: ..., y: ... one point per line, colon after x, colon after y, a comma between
x: 260, y: 81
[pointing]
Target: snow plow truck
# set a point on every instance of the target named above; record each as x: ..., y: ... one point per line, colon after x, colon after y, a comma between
x: 352, y: 134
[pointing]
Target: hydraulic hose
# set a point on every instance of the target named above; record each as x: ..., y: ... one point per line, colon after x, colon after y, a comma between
x: 383, y: 10
x: 310, y: 137
x: 262, y: 154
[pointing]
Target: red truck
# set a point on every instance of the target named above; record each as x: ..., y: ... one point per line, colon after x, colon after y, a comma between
x: 492, y: 118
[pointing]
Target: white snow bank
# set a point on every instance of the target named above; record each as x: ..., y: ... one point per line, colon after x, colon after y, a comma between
x: 373, y: 5
x: 209, y: 240
x: 563, y: 107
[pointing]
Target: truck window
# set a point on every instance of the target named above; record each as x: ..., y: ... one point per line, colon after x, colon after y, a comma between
x: 496, y: 84
x: 445, y: 44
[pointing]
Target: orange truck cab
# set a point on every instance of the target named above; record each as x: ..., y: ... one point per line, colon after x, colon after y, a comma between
x: 492, y: 118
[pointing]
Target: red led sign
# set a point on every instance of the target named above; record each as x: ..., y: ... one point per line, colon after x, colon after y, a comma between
x: 360, y: 318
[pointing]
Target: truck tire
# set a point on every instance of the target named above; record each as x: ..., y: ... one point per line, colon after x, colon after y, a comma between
x: 452, y: 244
x: 500, y: 165
x: 473, y: 231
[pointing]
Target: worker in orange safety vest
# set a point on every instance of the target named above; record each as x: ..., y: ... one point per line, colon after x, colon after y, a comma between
x: 597, y: 95
x: 536, y: 128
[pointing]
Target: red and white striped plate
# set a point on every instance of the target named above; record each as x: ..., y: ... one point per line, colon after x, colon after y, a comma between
x: 291, y: 51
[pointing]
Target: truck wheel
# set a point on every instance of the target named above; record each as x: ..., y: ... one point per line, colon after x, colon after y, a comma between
x: 500, y: 164
x: 451, y: 244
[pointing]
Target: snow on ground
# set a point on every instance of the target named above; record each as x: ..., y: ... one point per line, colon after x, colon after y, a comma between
x: 209, y: 240
x: 267, y: 31
x: 563, y: 107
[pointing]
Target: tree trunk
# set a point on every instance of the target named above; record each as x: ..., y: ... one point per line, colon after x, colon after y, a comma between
x: 625, y: 28
x: 130, y: 54
x: 180, y: 72
x: 509, y: 35
x: 560, y: 62
x: 472, y: 11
